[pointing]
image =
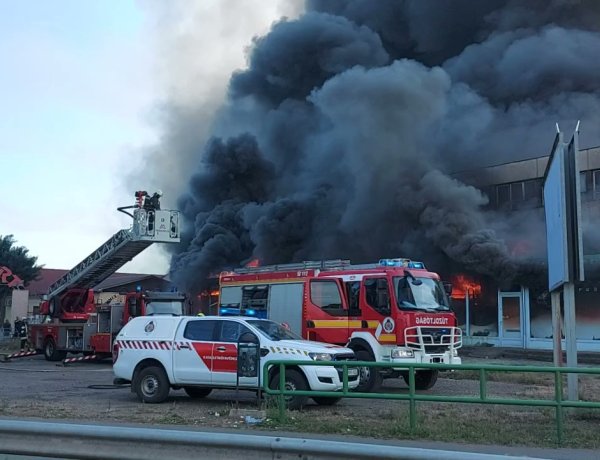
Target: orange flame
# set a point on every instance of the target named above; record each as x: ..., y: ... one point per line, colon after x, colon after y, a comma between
x: 461, y: 284
x: 253, y: 263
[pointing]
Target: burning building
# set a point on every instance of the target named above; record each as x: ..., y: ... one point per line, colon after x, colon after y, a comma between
x: 519, y: 313
x: 343, y: 136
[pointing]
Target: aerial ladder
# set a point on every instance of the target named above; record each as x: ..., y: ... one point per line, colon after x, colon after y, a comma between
x: 69, y: 297
x: 73, y: 322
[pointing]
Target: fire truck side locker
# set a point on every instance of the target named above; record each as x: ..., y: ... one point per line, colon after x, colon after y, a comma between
x: 285, y: 305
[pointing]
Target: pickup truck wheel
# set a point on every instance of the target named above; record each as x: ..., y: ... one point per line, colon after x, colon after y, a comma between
x: 195, y: 392
x: 152, y: 385
x: 50, y: 351
x: 293, y: 381
x: 369, y: 378
x: 323, y: 401
x: 424, y: 380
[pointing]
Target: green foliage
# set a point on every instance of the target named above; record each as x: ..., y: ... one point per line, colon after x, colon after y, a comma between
x: 17, y: 258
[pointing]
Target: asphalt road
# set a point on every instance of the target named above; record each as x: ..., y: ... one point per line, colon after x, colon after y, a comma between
x: 34, y: 378
x: 33, y: 387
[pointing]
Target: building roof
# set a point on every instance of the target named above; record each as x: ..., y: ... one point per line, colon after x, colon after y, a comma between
x: 120, y: 279
x: 533, y: 168
x: 48, y: 276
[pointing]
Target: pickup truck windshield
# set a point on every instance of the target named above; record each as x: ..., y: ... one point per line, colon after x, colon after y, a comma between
x: 164, y: 307
x: 420, y: 294
x: 273, y: 331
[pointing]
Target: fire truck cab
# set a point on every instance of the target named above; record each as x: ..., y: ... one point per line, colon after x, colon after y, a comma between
x: 391, y: 311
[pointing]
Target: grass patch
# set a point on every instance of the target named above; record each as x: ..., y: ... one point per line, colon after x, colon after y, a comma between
x: 443, y: 422
x: 526, y: 378
x: 171, y: 419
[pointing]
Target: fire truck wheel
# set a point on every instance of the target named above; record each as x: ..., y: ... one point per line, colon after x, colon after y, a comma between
x: 294, y: 380
x: 195, y: 392
x: 51, y: 353
x: 326, y: 401
x: 424, y: 380
x: 152, y: 385
x: 369, y: 377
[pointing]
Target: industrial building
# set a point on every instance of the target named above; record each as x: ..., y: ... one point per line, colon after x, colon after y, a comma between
x: 520, y: 315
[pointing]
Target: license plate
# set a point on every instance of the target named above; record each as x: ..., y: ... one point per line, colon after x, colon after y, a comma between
x: 352, y: 372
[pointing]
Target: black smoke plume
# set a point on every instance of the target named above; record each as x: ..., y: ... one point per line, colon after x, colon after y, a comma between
x: 340, y: 138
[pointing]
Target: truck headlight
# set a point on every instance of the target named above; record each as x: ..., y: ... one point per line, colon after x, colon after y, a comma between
x: 320, y: 356
x: 401, y: 353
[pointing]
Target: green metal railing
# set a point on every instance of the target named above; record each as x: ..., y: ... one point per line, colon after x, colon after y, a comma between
x: 558, y: 403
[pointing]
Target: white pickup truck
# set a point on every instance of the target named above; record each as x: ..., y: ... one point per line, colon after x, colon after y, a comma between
x: 156, y: 353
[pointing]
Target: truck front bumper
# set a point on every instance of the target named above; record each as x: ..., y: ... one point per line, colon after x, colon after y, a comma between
x: 430, y: 358
x: 325, y: 378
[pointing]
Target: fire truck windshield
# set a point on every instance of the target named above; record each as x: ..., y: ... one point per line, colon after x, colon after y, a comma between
x: 273, y: 331
x: 420, y: 294
x: 164, y: 307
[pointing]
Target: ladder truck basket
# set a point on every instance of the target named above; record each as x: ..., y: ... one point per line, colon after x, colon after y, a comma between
x: 149, y: 226
x: 433, y: 339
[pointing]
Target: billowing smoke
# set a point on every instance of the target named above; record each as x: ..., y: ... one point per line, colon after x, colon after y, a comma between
x: 339, y: 139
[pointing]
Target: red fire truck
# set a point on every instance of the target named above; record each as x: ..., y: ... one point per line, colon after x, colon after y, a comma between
x: 391, y: 311
x: 74, y: 322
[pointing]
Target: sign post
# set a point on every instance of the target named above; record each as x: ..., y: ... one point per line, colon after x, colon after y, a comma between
x: 562, y: 206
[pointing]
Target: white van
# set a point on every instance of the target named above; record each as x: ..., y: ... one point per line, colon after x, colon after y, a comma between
x: 156, y: 353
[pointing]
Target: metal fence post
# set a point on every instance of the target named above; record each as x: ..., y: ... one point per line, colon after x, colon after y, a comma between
x: 412, y: 403
x: 559, y: 410
x: 559, y: 403
x: 281, y: 398
x: 482, y: 384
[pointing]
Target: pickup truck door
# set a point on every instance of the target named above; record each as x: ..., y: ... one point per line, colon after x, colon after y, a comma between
x: 225, y: 354
x: 193, y: 352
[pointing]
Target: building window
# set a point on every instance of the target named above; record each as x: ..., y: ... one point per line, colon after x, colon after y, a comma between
x: 503, y: 196
x: 517, y: 192
x: 596, y: 184
x: 519, y: 195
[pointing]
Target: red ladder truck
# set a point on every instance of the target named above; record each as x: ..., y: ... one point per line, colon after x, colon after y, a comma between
x: 74, y: 322
x: 391, y: 311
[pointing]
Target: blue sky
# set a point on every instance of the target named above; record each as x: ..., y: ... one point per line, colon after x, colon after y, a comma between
x: 75, y: 91
x: 81, y: 86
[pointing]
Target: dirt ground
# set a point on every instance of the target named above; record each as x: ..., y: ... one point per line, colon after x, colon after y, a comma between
x: 33, y: 387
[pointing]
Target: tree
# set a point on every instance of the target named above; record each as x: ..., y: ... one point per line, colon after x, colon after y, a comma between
x: 18, y: 260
